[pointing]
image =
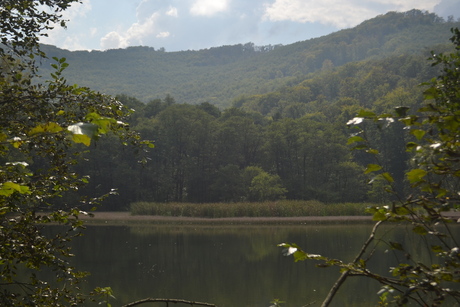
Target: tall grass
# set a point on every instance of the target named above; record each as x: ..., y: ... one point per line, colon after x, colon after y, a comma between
x: 282, y: 208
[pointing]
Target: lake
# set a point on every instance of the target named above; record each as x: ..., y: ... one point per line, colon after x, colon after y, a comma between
x: 227, y: 265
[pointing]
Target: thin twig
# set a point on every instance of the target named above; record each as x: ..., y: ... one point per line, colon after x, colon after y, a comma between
x: 345, y: 274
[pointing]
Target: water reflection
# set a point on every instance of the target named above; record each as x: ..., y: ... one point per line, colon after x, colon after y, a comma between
x: 225, y: 265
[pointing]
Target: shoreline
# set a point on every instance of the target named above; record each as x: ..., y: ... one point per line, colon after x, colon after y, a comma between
x: 126, y: 217
x: 122, y: 218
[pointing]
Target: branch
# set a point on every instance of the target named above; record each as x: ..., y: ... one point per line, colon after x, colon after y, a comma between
x: 165, y: 300
x: 346, y: 273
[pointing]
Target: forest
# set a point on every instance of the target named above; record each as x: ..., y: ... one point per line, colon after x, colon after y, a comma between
x: 284, y: 137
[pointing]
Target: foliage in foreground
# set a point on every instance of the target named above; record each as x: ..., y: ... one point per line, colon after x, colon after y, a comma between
x: 282, y: 208
x: 44, y: 127
x: 427, y: 275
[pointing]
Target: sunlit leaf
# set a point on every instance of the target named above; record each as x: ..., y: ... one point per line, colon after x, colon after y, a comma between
x: 360, y: 147
x: 372, y: 168
x: 418, y: 133
x: 388, y: 177
x: 379, y: 216
x: 81, y: 138
x: 416, y: 175
x: 9, y: 188
x: 372, y: 151
x: 45, y: 128
x: 354, y: 139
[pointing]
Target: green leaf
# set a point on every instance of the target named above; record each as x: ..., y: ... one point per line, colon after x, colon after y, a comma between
x: 436, y: 249
x: 372, y: 168
x: 372, y: 151
x: 355, y: 139
x: 396, y: 245
x: 81, y: 138
x: 148, y: 143
x: 416, y: 175
x: 45, y: 128
x: 379, y: 216
x: 409, y: 121
x: 388, y: 177
x: 9, y: 188
x: 420, y: 230
x: 401, y: 211
x: 401, y: 111
x: 360, y: 147
x: 418, y: 133
x: 430, y: 93
x: 451, y: 123
x: 410, y: 146
x: 104, y: 123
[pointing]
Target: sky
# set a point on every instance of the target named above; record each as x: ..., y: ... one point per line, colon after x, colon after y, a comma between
x: 178, y: 25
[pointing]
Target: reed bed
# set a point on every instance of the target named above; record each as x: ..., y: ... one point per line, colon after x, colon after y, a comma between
x: 282, y: 208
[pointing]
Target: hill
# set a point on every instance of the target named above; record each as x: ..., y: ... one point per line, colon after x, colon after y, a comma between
x: 220, y: 75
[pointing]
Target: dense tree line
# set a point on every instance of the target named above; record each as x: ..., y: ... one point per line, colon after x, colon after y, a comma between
x: 203, y: 155
x: 290, y: 143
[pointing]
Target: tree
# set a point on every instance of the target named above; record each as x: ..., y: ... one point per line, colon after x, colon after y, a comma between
x: 434, y: 177
x: 265, y: 187
x: 40, y: 124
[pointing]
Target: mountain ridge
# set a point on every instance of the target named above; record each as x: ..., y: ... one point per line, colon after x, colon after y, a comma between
x: 219, y: 75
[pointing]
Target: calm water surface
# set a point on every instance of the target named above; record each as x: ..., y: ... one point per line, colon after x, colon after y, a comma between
x: 226, y: 265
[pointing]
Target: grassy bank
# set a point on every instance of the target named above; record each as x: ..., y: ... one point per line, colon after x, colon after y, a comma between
x: 283, y: 208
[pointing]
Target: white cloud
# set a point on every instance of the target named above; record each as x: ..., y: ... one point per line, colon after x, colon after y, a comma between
x: 142, y: 29
x: 339, y: 13
x: 113, y: 40
x: 77, y: 9
x: 136, y: 34
x: 163, y: 34
x: 208, y: 7
x: 172, y: 11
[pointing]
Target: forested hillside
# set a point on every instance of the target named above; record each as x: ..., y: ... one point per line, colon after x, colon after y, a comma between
x: 219, y: 75
x: 285, y: 135
x: 293, y: 141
